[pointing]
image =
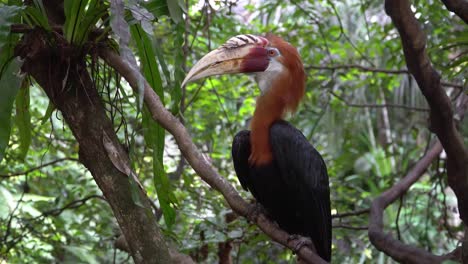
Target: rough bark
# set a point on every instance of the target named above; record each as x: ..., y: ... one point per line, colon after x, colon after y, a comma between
x: 201, y: 166
x: 442, y: 121
x: 60, y: 70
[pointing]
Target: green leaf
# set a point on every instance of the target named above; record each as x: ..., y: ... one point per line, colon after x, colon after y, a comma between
x: 154, y: 133
x: 82, y: 253
x: 23, y: 119
x: 143, y: 16
x: 157, y: 7
x: 50, y: 109
x: 10, y: 82
x: 135, y: 190
x: 7, y: 17
x: 175, y: 10
x: 121, y: 29
x: 147, y: 59
x: 94, y: 12
x: 7, y: 202
x: 35, y: 17
x: 152, y: 75
x: 165, y: 193
x: 74, y: 10
x: 179, y: 73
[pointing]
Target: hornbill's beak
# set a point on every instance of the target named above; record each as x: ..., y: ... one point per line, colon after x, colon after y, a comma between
x: 240, y: 54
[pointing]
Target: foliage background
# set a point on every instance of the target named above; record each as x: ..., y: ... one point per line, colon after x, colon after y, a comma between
x: 368, y: 121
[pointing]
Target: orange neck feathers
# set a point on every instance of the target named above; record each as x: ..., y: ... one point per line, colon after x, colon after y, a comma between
x: 284, y: 95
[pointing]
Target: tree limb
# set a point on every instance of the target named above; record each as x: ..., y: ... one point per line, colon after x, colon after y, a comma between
x: 353, y: 213
x: 397, y: 106
x: 84, y: 113
x: 441, y: 114
x: 459, y: 7
x: 442, y: 124
x: 201, y: 166
x: 363, y: 68
x: 345, y: 226
x: 385, y: 242
x: 36, y: 168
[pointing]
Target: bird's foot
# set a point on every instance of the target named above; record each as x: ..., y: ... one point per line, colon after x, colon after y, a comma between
x: 254, y: 211
x: 299, y: 242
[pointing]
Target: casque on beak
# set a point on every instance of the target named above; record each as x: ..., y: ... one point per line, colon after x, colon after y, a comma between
x: 240, y: 54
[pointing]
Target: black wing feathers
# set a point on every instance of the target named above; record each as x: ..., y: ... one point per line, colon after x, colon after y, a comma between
x: 240, y: 155
x: 294, y: 188
x: 305, y: 172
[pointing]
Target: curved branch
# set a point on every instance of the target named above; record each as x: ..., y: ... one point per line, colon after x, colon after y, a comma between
x: 194, y: 157
x: 441, y: 115
x: 385, y: 242
x: 459, y: 7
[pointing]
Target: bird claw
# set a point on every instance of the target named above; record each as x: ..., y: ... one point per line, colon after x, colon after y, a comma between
x: 300, y: 241
x: 254, y: 211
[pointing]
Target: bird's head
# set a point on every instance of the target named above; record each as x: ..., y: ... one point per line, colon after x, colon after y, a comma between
x: 274, y: 62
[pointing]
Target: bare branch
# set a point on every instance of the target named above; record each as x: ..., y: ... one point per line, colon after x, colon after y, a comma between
x: 353, y: 213
x: 36, y: 168
x: 195, y: 158
x: 385, y: 242
x: 373, y: 70
x: 459, y: 7
x: 344, y: 226
x: 357, y: 67
x: 410, y: 108
x: 72, y: 205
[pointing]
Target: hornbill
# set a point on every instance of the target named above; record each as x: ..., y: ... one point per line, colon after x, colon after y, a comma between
x: 274, y: 160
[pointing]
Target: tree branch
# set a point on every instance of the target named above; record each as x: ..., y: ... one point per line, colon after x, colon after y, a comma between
x: 357, y: 67
x: 353, y: 213
x: 459, y: 7
x: 441, y: 114
x: 345, y: 226
x: 83, y: 111
x: 405, y: 107
x: 385, y: 242
x: 373, y: 70
x: 201, y: 166
x: 36, y: 168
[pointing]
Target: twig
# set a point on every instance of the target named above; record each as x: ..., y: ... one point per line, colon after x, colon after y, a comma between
x: 353, y: 213
x: 36, y: 168
x: 71, y: 205
x: 194, y: 157
x: 10, y: 219
x: 350, y: 227
x: 357, y: 67
x: 419, y: 109
x: 373, y: 70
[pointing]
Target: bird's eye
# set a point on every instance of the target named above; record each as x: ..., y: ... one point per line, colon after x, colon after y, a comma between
x: 272, y: 52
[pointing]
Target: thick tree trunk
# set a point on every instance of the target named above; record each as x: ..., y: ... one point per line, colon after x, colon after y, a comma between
x: 52, y: 63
